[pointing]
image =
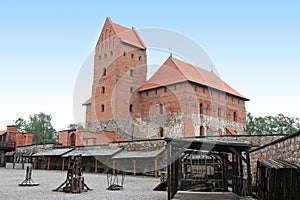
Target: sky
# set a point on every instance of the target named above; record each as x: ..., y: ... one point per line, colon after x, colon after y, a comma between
x: 255, y: 46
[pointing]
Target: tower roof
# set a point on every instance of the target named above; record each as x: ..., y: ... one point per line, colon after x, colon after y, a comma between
x: 128, y: 36
x: 176, y: 71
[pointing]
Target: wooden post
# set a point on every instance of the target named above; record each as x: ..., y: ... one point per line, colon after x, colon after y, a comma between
x: 63, y: 164
x: 249, y: 176
x: 49, y: 158
x: 155, y: 167
x: 169, y: 171
x: 134, y: 167
x: 96, y: 165
x: 34, y: 162
x: 114, y: 166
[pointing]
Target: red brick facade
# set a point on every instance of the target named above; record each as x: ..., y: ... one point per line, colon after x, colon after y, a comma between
x: 11, y: 138
x: 179, y: 95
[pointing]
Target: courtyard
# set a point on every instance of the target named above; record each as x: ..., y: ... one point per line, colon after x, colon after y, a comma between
x: 135, y: 188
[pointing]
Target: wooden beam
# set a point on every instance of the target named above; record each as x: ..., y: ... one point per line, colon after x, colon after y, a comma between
x: 155, y: 167
x: 63, y: 164
x: 134, y: 167
x: 249, y: 176
x: 34, y: 163
x: 114, y: 166
x: 233, y: 150
x: 96, y: 164
x: 49, y: 159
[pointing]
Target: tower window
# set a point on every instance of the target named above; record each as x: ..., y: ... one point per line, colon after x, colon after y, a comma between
x: 132, y: 56
x: 161, y: 132
x: 140, y: 58
x: 105, y: 55
x: 219, y: 112
x: 201, y: 108
x: 124, y: 53
x: 131, y: 89
x: 111, y: 53
x: 155, y: 91
x: 234, y: 116
x: 104, y: 72
x: 147, y: 93
x: 103, y: 90
x: 130, y: 108
x: 102, y: 108
x: 165, y: 89
x: 161, y: 109
x: 131, y: 72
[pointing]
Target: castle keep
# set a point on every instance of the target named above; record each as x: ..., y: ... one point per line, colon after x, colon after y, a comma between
x: 179, y: 100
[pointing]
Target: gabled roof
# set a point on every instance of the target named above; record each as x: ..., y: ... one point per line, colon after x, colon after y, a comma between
x: 129, y: 36
x: 88, y: 102
x: 176, y: 71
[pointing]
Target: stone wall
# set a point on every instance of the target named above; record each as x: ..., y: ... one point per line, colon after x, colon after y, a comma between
x: 36, y: 148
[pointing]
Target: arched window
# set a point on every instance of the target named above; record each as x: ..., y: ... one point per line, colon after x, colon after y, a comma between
x: 131, y: 72
x: 161, y: 109
x: 234, y: 116
x: 104, y: 72
x: 201, y: 108
x: 219, y: 112
x: 161, y: 132
x: 103, y: 90
x: 72, y: 139
x: 124, y: 53
x: 140, y: 58
x: 102, y: 108
x: 202, y: 131
x: 130, y: 108
x: 132, y: 55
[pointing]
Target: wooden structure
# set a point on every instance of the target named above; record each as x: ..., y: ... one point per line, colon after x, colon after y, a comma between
x: 277, y: 179
x: 206, y: 165
x: 28, y: 180
x: 75, y: 181
x: 139, y: 162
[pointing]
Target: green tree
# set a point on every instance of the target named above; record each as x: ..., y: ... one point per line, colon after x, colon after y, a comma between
x: 21, y: 124
x: 75, y: 126
x: 267, y: 125
x: 41, y: 127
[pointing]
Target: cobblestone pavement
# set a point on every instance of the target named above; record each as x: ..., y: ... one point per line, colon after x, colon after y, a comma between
x: 135, y: 188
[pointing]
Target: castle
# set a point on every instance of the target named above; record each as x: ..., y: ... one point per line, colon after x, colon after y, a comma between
x: 179, y: 100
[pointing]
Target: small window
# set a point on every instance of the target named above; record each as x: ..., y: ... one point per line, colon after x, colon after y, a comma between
x: 155, y: 91
x: 103, y: 90
x: 111, y: 53
x: 130, y: 108
x: 234, y: 116
x: 147, y: 93
x: 132, y: 56
x: 202, y: 131
x: 165, y: 89
x: 105, y: 55
x: 219, y: 112
x: 104, y: 72
x: 131, y: 72
x: 140, y: 58
x: 131, y: 90
x: 175, y: 87
x: 203, y: 90
x: 201, y: 108
x: 124, y: 53
x: 161, y: 132
x: 161, y: 109
x: 102, y: 108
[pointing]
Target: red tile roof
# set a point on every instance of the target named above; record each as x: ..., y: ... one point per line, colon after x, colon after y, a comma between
x: 89, y: 101
x: 231, y: 131
x: 176, y: 71
x: 129, y: 36
x: 212, y: 128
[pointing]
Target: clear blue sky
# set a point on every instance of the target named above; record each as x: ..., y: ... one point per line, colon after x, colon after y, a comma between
x: 255, y: 46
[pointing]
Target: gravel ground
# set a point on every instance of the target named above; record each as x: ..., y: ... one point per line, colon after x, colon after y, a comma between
x: 135, y: 188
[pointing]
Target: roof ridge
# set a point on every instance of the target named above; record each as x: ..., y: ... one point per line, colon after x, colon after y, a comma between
x: 171, y: 58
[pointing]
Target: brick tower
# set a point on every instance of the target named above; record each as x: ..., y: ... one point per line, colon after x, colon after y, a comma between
x: 119, y: 69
